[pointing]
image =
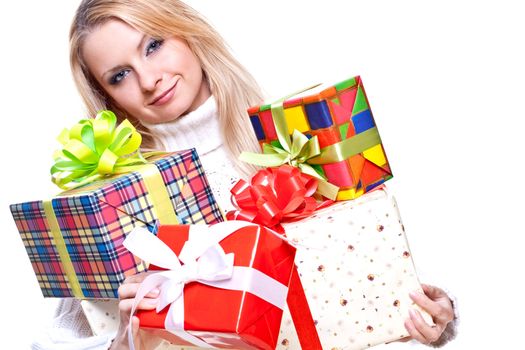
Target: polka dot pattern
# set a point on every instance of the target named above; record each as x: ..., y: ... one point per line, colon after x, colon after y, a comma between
x: 357, y: 271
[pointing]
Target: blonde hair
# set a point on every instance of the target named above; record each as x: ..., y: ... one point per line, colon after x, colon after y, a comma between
x: 230, y: 83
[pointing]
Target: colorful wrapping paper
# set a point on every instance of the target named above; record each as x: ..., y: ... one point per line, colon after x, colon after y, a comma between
x: 357, y: 270
x: 93, y: 221
x: 230, y: 318
x: 333, y: 114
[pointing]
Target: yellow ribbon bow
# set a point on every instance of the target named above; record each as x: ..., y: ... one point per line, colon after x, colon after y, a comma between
x: 94, y: 148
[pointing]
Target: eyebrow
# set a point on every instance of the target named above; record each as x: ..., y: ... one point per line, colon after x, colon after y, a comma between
x: 139, y: 48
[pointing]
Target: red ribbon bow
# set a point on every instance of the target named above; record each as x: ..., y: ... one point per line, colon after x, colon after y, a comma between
x: 275, y: 195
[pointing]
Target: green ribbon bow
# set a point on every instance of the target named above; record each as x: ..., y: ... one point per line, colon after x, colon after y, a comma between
x: 95, y: 148
x: 297, y: 151
x: 300, y: 151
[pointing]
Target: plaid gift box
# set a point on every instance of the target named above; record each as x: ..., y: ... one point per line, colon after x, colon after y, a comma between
x: 340, y: 116
x: 86, y: 258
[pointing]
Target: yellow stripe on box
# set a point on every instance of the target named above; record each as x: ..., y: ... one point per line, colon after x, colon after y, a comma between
x: 375, y: 155
x: 295, y: 119
x: 159, y: 196
x: 60, y: 245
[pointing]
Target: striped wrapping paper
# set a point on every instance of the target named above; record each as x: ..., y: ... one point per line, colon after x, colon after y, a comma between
x: 94, y: 220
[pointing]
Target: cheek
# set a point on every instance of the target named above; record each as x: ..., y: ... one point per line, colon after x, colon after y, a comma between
x: 182, y: 61
x: 127, y: 96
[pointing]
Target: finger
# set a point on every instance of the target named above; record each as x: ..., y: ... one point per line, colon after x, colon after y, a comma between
x: 431, y: 334
x: 137, y: 278
x: 129, y: 291
x: 125, y: 305
x: 414, y: 333
x: 426, y: 303
x: 432, y: 291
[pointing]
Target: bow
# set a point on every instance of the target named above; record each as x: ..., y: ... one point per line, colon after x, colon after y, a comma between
x: 94, y: 148
x: 300, y: 151
x: 201, y: 263
x: 274, y: 195
x: 296, y: 151
x: 213, y: 265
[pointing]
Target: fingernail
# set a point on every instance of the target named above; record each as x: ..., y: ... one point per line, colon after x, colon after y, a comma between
x: 155, y: 292
x: 153, y: 302
x: 411, y: 313
x: 413, y: 294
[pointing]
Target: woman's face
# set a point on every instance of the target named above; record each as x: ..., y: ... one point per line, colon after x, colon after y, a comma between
x: 155, y: 80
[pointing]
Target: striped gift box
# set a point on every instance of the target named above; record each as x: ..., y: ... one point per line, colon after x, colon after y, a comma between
x: 333, y: 113
x: 94, y: 220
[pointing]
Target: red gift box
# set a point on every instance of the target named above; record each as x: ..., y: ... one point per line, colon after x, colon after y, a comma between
x: 223, y: 318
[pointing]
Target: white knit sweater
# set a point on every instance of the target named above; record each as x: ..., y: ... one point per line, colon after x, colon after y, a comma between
x: 199, y: 129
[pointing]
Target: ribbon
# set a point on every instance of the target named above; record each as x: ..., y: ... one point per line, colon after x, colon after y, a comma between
x: 205, y: 262
x: 301, y: 152
x: 274, y: 195
x: 94, y: 148
x: 301, y: 315
x: 61, y: 248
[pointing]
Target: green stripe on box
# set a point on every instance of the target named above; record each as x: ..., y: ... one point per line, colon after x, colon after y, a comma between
x: 336, y: 101
x: 265, y: 108
x: 345, y: 84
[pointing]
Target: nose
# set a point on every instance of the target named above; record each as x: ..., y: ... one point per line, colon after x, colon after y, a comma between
x: 149, y: 77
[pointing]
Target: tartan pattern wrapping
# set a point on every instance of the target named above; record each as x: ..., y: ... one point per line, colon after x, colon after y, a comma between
x: 95, y: 219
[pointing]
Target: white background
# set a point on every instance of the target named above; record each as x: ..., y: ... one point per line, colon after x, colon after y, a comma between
x: 446, y: 85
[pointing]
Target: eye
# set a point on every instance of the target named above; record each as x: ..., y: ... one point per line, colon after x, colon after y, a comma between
x: 153, y: 45
x: 117, y: 78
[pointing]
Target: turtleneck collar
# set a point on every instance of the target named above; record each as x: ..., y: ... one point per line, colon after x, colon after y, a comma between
x: 198, y: 129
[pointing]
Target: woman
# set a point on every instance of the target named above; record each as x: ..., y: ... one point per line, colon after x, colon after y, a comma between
x: 160, y: 65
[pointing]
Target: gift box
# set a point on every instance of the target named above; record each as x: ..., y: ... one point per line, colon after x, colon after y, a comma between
x: 357, y: 271
x: 242, y: 311
x: 338, y: 117
x: 74, y: 241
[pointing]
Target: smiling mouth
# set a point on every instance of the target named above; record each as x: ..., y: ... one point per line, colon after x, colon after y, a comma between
x: 164, y: 97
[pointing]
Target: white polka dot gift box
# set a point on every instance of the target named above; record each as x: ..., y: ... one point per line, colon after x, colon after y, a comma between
x: 357, y: 270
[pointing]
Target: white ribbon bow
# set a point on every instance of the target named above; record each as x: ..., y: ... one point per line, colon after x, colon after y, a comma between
x: 205, y: 262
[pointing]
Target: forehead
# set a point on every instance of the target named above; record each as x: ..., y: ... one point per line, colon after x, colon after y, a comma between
x: 109, y: 45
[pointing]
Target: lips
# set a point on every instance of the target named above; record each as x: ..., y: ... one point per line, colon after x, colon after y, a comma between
x: 164, y: 97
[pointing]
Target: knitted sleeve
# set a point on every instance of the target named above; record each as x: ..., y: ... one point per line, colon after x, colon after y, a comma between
x: 70, y: 331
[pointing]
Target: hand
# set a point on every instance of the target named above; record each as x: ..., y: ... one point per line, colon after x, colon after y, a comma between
x: 141, y: 338
x: 436, y: 302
